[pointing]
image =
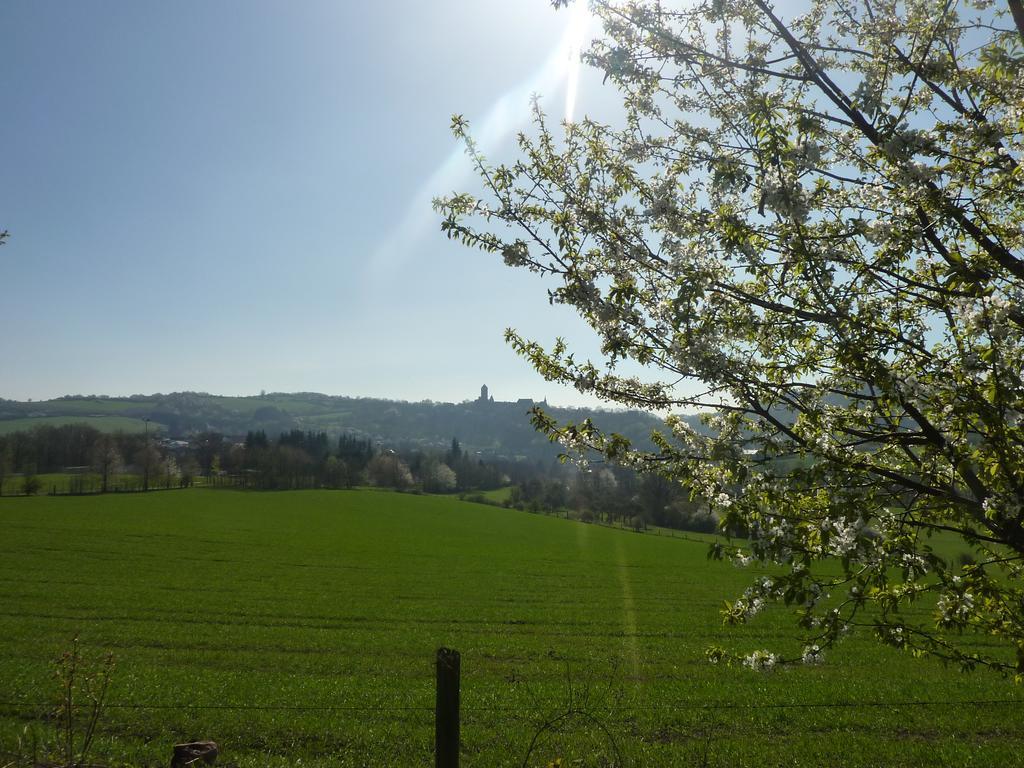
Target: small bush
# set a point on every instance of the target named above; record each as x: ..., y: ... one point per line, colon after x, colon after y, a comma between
x: 31, y: 485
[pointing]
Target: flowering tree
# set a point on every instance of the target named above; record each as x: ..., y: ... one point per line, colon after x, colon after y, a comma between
x: 810, y: 228
x: 106, y: 460
x: 389, y: 471
x: 438, y: 477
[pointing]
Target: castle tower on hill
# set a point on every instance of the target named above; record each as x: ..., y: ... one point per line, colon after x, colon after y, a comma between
x: 484, y: 399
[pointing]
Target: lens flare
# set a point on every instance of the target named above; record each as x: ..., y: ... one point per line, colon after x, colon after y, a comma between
x: 575, y: 34
x: 507, y: 114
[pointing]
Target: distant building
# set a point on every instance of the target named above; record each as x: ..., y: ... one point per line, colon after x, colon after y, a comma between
x: 488, y: 399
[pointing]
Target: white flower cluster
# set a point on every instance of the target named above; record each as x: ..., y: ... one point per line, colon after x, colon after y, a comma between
x: 763, y: 660
x: 843, y: 536
x: 991, y: 314
x: 516, y: 254
x: 748, y: 607
x: 867, y: 96
x: 911, y: 387
x: 999, y: 309
x: 1001, y: 505
x: 830, y: 619
x: 878, y: 231
x: 817, y: 593
x: 897, y: 636
x: 775, y: 540
x: 919, y: 171
x: 873, y: 196
x: 812, y: 654
x: 806, y: 155
x: 694, y: 260
x: 955, y: 607
x: 663, y: 201
x: 914, y: 563
x: 786, y: 197
x: 754, y: 597
x: 968, y: 311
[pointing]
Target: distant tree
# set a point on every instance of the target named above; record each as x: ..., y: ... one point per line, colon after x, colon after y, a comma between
x: 293, y: 437
x: 171, y: 472
x: 106, y: 460
x: 30, y: 484
x: 6, y: 460
x: 255, y: 447
x: 555, y: 495
x: 317, y: 446
x: 598, y: 491
x: 336, y: 473
x: 654, y: 494
x: 355, y: 452
x: 454, y: 455
x: 388, y: 471
x: 235, y: 458
x: 150, y: 463
x: 291, y: 467
x: 689, y: 515
x: 189, y: 468
x: 207, y: 446
x: 438, y: 477
x: 256, y: 439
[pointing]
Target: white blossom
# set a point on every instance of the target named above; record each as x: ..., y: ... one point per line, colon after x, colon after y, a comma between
x: 761, y: 660
x: 812, y: 654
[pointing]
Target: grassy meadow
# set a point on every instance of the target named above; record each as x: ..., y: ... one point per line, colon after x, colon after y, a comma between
x: 302, y: 626
x: 102, y: 423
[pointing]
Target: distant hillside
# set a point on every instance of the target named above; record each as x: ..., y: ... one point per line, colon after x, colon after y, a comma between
x: 491, y: 427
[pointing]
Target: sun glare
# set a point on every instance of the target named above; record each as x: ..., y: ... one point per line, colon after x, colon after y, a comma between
x: 507, y: 114
x: 575, y: 35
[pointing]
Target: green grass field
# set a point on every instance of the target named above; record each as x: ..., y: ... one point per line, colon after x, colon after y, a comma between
x: 89, y: 482
x: 102, y: 423
x: 302, y: 626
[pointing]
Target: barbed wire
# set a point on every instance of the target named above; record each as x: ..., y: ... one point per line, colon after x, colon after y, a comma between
x: 688, y: 705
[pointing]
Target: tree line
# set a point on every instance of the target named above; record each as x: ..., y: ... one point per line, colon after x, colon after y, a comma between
x: 296, y: 459
x: 83, y: 450
x: 499, y: 428
x: 612, y: 494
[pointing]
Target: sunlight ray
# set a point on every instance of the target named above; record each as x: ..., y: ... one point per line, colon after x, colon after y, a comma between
x: 508, y: 114
x: 576, y: 36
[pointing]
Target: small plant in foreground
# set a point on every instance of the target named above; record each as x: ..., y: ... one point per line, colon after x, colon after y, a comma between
x: 83, y: 685
x: 586, y: 710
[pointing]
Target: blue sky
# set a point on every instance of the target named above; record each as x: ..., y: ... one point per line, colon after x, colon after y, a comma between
x: 233, y: 196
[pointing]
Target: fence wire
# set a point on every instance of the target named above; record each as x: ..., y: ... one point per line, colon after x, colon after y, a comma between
x: 680, y: 705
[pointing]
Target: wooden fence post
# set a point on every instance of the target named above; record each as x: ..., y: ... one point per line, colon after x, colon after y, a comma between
x: 446, y: 711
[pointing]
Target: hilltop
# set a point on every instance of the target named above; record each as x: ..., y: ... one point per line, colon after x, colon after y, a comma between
x: 485, y: 425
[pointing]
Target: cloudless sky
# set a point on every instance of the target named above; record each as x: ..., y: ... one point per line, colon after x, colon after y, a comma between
x: 234, y: 196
